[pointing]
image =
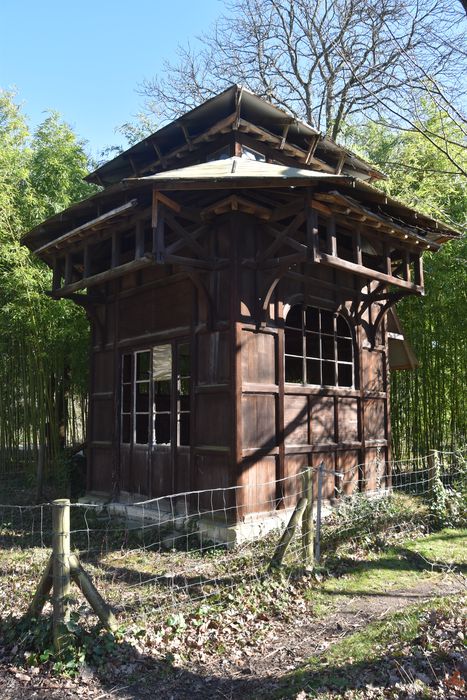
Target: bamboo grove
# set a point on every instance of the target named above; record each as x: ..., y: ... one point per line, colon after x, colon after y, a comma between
x: 43, y: 344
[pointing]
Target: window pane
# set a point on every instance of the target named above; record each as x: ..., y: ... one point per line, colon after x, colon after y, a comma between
x: 343, y: 328
x: 184, y: 429
x: 294, y: 317
x: 126, y: 428
x: 142, y: 364
x: 162, y: 402
x: 162, y: 362
x: 293, y: 370
x: 327, y: 321
x: 312, y: 319
x: 184, y: 403
x: 293, y: 342
x: 344, y: 349
x: 327, y: 344
x: 126, y: 368
x: 162, y: 429
x: 345, y: 373
x: 184, y: 360
x: 313, y: 375
x: 126, y: 398
x: 329, y: 378
x: 142, y: 428
x: 185, y: 387
x: 142, y: 396
x: 162, y: 388
x: 312, y: 345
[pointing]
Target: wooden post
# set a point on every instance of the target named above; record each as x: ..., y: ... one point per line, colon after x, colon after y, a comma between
x: 40, y: 468
x: 432, y: 471
x: 92, y: 595
x: 287, y: 535
x: 307, y: 519
x: 42, y: 590
x: 61, y: 571
x: 318, y: 513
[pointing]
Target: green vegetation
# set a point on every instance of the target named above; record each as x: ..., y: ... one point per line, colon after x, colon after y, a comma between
x: 43, y: 343
x: 429, y: 405
x: 377, y: 650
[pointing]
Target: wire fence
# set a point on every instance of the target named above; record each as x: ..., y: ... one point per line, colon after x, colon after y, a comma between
x: 166, y: 554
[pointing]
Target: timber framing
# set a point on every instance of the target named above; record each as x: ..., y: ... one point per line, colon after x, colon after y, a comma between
x: 180, y: 237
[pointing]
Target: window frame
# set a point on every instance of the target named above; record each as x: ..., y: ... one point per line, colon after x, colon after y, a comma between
x: 322, y: 360
x: 175, y: 411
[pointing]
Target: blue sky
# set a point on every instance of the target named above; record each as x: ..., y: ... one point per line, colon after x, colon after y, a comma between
x: 85, y: 59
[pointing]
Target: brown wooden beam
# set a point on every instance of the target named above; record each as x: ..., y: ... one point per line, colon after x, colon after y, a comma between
x: 86, y: 228
x: 105, y: 276
x: 186, y: 236
x: 367, y: 272
x: 280, y: 236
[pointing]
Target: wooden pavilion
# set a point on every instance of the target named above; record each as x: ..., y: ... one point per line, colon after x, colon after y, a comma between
x: 239, y: 272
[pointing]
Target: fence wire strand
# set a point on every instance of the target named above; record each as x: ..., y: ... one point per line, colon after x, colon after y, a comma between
x: 166, y: 554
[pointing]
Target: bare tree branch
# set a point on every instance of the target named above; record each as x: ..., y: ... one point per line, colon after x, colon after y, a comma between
x: 328, y: 62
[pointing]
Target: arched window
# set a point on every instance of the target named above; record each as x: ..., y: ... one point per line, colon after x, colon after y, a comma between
x: 318, y: 348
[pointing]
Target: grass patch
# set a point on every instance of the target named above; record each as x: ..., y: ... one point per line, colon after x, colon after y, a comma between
x: 449, y: 546
x: 374, y: 652
x: 395, y: 568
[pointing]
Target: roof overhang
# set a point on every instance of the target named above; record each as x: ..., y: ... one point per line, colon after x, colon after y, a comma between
x: 235, y: 109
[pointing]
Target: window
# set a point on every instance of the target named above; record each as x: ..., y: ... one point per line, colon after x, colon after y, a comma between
x: 250, y: 154
x: 156, y: 395
x: 318, y: 348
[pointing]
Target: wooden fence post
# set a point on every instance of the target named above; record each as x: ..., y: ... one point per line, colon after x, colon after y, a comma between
x: 307, y: 518
x: 61, y: 571
x: 433, y: 469
x: 287, y: 535
x: 92, y: 595
x: 318, y: 513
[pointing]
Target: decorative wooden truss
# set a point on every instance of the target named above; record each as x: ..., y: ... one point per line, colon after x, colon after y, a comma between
x: 304, y: 230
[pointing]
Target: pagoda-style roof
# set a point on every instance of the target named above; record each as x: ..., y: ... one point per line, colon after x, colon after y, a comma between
x: 234, y: 110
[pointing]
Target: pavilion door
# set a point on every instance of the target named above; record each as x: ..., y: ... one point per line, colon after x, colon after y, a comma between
x: 155, y: 419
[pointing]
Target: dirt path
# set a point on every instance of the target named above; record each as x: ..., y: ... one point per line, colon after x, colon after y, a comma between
x: 253, y: 672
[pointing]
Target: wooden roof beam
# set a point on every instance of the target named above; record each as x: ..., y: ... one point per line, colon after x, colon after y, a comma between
x: 105, y: 276
x: 82, y: 230
x: 360, y: 211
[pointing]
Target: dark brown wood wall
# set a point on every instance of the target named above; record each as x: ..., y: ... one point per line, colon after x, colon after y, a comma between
x: 248, y: 426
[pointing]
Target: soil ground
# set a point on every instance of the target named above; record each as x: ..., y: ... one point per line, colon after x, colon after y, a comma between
x: 256, y: 671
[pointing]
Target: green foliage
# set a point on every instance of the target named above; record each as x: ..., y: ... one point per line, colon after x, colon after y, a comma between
x: 429, y: 406
x: 448, y: 504
x: 31, y: 643
x: 43, y: 343
x: 370, y: 521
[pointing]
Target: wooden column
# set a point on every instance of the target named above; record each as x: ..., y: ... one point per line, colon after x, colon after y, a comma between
x: 419, y: 277
x: 331, y: 242
x: 407, y: 275
x: 312, y: 233
x: 57, y: 274
x: 357, y: 245
x: 139, y: 240
x: 115, y: 259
